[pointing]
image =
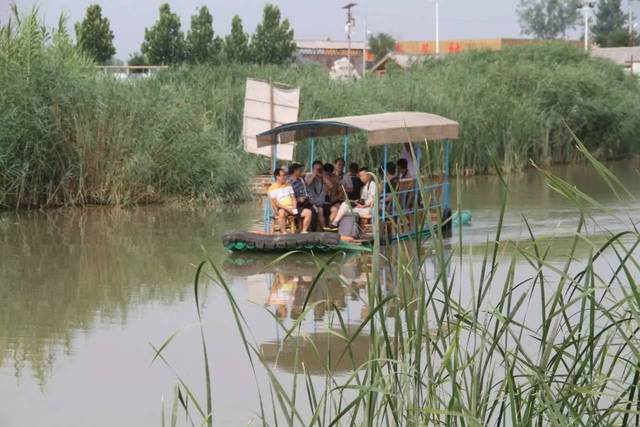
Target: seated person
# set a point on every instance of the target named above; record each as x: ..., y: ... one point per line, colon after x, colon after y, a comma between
x: 300, y: 190
x: 362, y: 207
x: 356, y: 184
x: 335, y: 191
x: 316, y: 190
x: 299, y: 187
x: 284, y: 202
x: 344, y: 178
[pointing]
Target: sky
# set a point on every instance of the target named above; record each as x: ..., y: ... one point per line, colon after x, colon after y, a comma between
x: 310, y: 19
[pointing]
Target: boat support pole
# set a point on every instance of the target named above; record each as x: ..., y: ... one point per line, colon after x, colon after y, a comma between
x: 267, y: 202
x: 447, y: 192
x: 345, y: 156
x: 384, y: 186
x: 312, y: 143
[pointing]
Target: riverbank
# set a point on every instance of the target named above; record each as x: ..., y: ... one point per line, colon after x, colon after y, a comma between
x: 72, y: 136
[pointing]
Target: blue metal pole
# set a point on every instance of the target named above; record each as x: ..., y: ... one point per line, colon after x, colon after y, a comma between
x: 345, y: 156
x: 312, y: 140
x: 447, y: 191
x: 384, y: 187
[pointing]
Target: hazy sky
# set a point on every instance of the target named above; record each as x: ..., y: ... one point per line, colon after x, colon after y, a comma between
x: 311, y: 19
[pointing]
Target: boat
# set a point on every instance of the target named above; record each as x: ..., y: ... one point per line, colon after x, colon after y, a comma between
x: 415, y: 209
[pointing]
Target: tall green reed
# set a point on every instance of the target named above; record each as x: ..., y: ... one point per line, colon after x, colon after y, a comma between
x: 73, y: 136
x: 520, y: 339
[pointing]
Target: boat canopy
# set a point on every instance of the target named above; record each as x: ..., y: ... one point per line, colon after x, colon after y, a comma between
x: 381, y: 129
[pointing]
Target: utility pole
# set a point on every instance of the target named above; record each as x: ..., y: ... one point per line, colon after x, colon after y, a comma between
x: 364, y: 48
x: 351, y: 23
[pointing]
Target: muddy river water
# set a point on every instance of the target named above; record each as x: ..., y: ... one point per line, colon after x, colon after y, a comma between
x: 85, y: 292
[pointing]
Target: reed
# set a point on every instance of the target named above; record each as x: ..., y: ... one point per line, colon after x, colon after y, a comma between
x: 71, y: 135
x: 546, y: 342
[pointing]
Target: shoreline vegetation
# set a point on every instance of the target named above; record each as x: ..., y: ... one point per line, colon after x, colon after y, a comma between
x: 72, y: 135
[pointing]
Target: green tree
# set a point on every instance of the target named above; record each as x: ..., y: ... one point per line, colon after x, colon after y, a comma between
x: 202, y: 45
x: 273, y: 42
x: 94, y: 35
x: 164, y: 41
x: 236, y: 44
x: 547, y: 19
x: 610, y: 28
x: 381, y: 44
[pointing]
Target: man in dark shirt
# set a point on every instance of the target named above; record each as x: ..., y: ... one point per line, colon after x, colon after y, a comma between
x: 356, y: 184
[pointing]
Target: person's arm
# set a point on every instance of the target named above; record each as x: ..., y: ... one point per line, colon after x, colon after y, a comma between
x: 293, y: 197
x: 279, y: 205
x: 308, y: 178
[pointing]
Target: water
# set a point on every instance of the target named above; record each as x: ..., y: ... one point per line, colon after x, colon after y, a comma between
x: 83, y: 294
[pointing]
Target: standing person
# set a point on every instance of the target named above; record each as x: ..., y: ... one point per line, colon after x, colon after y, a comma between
x: 284, y: 202
x: 317, y: 191
x: 408, y: 157
x: 343, y: 175
x: 364, y: 206
x: 356, y: 184
x: 403, y: 169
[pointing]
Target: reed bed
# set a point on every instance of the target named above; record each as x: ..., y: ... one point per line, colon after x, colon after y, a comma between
x: 520, y: 339
x: 71, y: 135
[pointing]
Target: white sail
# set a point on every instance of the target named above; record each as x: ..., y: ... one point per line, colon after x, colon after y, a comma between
x: 267, y: 105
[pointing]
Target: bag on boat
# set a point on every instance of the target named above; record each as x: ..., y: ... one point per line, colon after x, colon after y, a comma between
x: 349, y: 226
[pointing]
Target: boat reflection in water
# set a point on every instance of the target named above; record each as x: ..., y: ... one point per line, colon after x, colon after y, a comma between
x: 329, y: 313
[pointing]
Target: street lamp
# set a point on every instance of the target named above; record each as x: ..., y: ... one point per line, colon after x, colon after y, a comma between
x: 586, y: 7
x: 631, y: 25
x: 349, y: 26
x: 437, y: 5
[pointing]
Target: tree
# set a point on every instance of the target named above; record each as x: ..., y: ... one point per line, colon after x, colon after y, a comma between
x: 547, y: 19
x: 202, y: 45
x: 610, y: 28
x: 94, y: 35
x: 164, y: 42
x: 273, y: 42
x: 236, y: 44
x: 137, y: 59
x: 381, y: 44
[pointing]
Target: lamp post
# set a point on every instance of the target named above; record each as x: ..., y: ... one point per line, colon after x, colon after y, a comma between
x: 631, y: 26
x: 437, y: 27
x: 351, y: 23
x: 586, y: 7
x: 437, y: 13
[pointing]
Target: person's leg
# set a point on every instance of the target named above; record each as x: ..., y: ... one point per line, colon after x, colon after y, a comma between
x: 281, y: 218
x: 334, y: 211
x: 321, y: 221
x: 342, y: 211
x: 306, y: 220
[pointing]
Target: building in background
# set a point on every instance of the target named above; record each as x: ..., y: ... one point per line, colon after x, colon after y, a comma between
x: 327, y: 52
x: 397, y: 60
x: 627, y: 57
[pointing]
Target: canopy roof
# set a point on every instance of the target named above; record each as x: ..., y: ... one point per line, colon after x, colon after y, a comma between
x: 385, y: 128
